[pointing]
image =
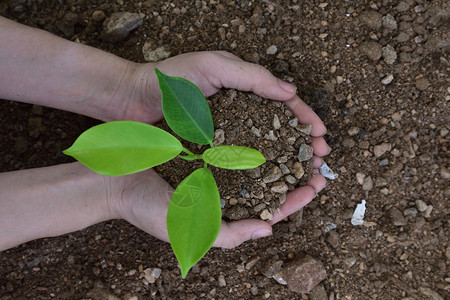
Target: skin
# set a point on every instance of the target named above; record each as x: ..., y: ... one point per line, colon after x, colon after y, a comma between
x: 42, y: 69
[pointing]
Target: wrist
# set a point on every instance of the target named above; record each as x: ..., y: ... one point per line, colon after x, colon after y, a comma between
x: 138, y: 97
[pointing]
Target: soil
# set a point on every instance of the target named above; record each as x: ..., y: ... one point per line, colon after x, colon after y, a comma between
x: 377, y: 74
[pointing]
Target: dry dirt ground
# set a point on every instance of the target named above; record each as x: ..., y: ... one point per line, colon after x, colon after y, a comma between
x: 377, y: 74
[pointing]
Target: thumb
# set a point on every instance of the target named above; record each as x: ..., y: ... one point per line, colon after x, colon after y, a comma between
x: 232, y: 234
x: 244, y: 76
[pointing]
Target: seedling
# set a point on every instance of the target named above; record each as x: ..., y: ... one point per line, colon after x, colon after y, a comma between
x: 125, y: 147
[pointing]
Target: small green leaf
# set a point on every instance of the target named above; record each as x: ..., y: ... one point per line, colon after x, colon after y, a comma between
x: 185, y: 109
x: 124, y: 147
x: 193, y: 218
x: 233, y: 157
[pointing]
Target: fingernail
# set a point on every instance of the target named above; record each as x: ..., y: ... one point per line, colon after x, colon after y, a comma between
x: 261, y: 233
x: 326, y: 130
x: 329, y: 150
x: 287, y: 86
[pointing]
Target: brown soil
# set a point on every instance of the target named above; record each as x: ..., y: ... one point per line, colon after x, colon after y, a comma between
x: 389, y: 140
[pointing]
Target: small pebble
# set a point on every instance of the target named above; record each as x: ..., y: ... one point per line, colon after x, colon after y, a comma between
x: 266, y: 215
x: 276, y: 122
x: 388, y: 79
x: 410, y: 212
x: 279, y: 187
x: 272, y: 50
x: 305, y: 152
x: 298, y: 170
x: 293, y: 122
x: 304, y: 128
x: 421, y: 206
x: 273, y: 175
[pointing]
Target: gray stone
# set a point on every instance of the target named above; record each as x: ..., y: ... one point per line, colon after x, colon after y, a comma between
x: 389, y: 54
x: 266, y: 215
x: 304, y: 128
x: 421, y: 206
x: 118, y: 26
x: 422, y: 83
x: 237, y: 212
x: 371, y: 18
x: 298, y: 170
x: 273, y: 175
x: 254, y: 173
x: 367, y: 184
x: 380, y: 149
x: 318, y: 293
x: 389, y: 22
x: 371, y: 49
x: 402, y: 7
x: 410, y: 212
x: 333, y: 239
x: 271, y: 268
x: 402, y: 37
x: 432, y: 295
x: 276, y: 122
x: 397, y: 217
x: 219, y: 137
x: 153, y: 55
x: 279, y: 187
x: 305, y: 152
x: 272, y: 50
x: 388, y: 79
x: 284, y: 169
x: 303, y: 274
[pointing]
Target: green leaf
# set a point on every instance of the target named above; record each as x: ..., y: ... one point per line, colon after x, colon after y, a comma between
x: 193, y: 218
x: 233, y: 157
x: 185, y: 109
x: 124, y: 147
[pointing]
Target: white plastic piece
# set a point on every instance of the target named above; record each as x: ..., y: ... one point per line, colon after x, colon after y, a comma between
x: 327, y: 172
x: 358, y: 214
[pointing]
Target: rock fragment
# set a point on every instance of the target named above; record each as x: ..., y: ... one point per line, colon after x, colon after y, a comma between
x: 372, y: 19
x: 219, y: 137
x: 279, y: 187
x: 153, y: 55
x: 298, y: 170
x: 305, y: 152
x: 272, y: 50
x: 389, y: 22
x: 421, y: 206
x: 397, y: 217
x: 381, y: 149
x: 422, y: 83
x: 276, y: 122
x: 389, y: 54
x: 303, y: 274
x: 371, y: 49
x: 118, y: 26
x: 388, y: 79
x: 273, y: 175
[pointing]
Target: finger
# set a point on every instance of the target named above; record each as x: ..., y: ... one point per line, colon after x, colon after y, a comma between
x: 233, y: 234
x: 295, y: 200
x: 229, y: 55
x: 306, y: 115
x: 317, y: 182
x: 231, y: 72
x: 320, y: 147
x: 317, y: 162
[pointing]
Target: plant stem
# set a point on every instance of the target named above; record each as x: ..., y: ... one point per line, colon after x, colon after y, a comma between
x: 187, y: 151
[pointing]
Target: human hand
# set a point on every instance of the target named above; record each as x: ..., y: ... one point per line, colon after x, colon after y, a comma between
x: 211, y: 71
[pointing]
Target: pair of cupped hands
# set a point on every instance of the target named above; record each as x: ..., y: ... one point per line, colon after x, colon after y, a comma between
x: 142, y: 199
